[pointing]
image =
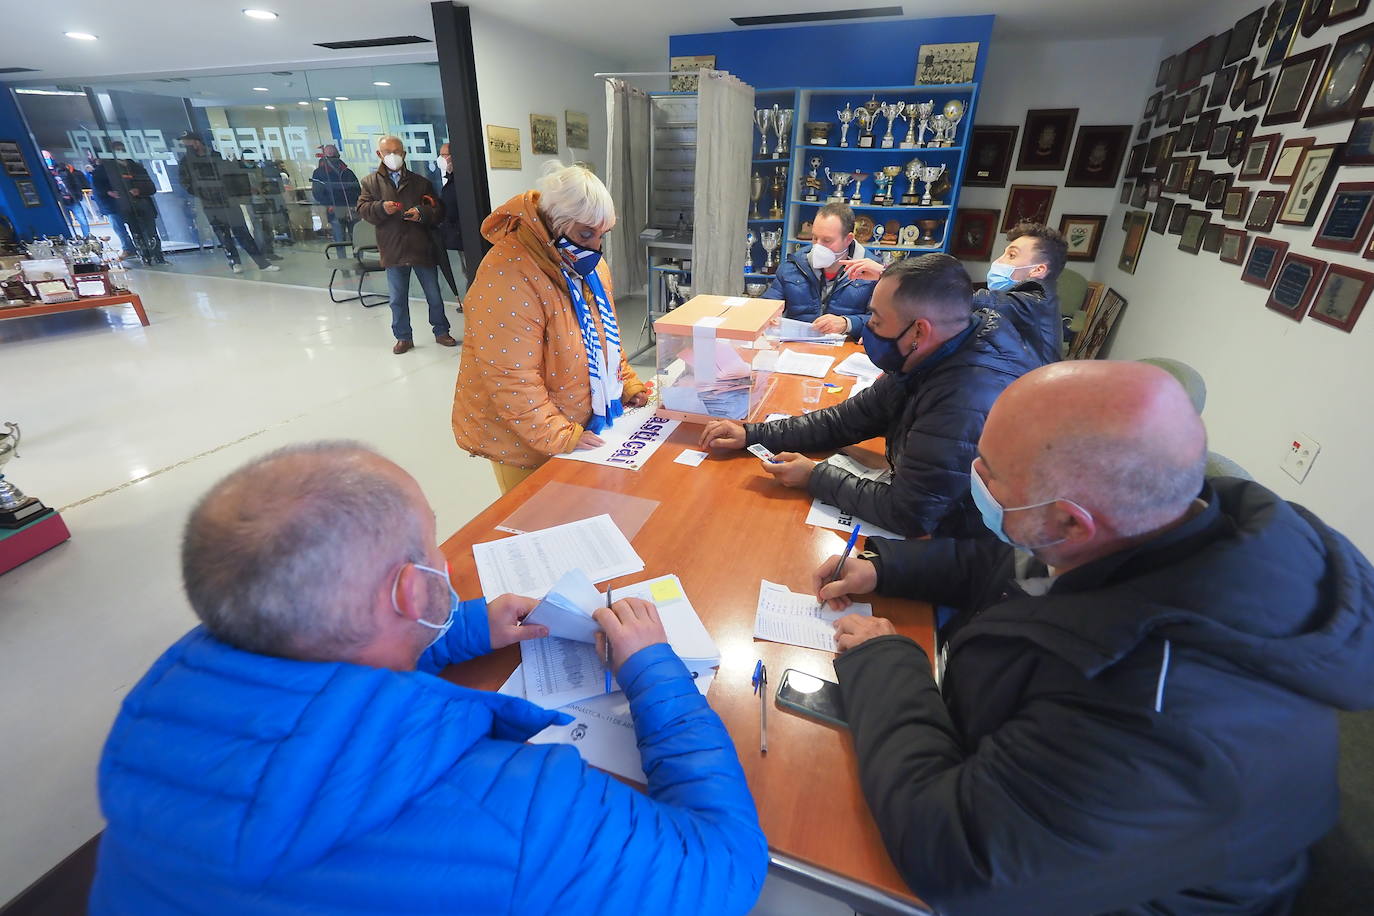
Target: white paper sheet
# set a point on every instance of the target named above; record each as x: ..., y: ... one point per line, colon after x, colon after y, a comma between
x: 862, y: 384
x: 788, y: 617
x: 690, y: 457
x: 794, y: 362
x: 790, y: 329
x: 858, y: 468
x: 776, y: 416
x: 630, y: 442
x: 529, y: 564
x: 858, y: 365
x: 567, y: 608
x: 824, y: 515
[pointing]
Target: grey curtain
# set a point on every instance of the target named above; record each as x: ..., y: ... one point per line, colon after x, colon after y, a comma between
x: 628, y: 121
x: 725, y: 134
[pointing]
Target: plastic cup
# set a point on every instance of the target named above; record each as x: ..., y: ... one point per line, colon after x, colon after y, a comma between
x: 811, y: 391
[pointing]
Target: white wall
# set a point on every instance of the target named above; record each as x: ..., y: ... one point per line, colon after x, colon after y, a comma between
x: 1268, y: 378
x: 1099, y: 78
x: 520, y: 73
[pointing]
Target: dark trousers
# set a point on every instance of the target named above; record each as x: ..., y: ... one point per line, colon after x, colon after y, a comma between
x: 398, y: 284
x: 142, y: 223
x: 229, y: 226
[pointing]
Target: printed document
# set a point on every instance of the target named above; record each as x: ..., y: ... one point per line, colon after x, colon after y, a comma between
x: 824, y: 515
x: 794, y: 362
x: 790, y: 329
x: 530, y: 564
x: 859, y: 366
x: 787, y: 617
x: 630, y: 441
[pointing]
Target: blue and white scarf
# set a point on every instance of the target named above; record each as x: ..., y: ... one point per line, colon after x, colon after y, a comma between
x: 603, y: 365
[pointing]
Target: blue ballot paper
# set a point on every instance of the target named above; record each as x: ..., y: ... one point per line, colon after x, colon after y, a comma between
x: 567, y: 608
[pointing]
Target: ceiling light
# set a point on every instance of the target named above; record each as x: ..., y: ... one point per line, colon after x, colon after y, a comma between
x: 261, y: 89
x: 341, y: 98
x: 270, y: 107
x: 80, y: 36
x: 325, y: 98
x: 260, y: 14
x: 380, y: 83
x: 48, y: 92
x: 302, y: 103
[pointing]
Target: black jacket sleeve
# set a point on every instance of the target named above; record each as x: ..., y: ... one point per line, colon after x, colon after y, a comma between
x: 861, y: 417
x: 1053, y: 812
x: 944, y: 571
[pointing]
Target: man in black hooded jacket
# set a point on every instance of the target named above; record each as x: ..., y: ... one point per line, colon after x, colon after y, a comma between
x: 1137, y: 710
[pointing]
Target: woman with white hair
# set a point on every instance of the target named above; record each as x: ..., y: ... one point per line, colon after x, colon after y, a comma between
x: 542, y: 368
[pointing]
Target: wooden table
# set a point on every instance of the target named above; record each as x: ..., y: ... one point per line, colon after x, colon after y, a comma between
x: 76, y: 305
x: 721, y: 527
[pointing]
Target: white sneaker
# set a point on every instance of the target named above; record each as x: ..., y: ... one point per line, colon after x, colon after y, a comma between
x: 271, y: 267
x: 236, y: 268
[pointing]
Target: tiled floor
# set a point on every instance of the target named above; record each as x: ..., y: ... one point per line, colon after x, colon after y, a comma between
x: 124, y: 427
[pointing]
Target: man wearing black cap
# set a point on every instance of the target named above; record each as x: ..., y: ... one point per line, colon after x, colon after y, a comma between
x: 221, y: 188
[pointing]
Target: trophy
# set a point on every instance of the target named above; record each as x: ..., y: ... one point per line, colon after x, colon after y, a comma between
x: 912, y: 172
x: 928, y: 229
x: 890, y: 229
x: 749, y: 239
x: 674, y: 291
x: 939, y: 123
x: 923, y: 110
x: 845, y: 115
x: 839, y: 180
x: 865, y: 119
x: 761, y: 118
x: 907, y: 236
x: 857, y: 198
x: 892, y: 111
x: 817, y: 133
x: 779, y: 185
x: 16, y: 509
x: 782, y: 126
x: 954, y: 113
x: 889, y: 175
x: 772, y: 240
x: 813, y: 180
x: 755, y: 192
x: 876, y: 236
x: 755, y: 290
x: 930, y: 174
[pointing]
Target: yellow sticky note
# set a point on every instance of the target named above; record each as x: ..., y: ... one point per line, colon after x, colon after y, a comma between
x: 665, y: 590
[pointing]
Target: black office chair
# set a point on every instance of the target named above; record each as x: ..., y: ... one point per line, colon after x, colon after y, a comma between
x: 361, y: 255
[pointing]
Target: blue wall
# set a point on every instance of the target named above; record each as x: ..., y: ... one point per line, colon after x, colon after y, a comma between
x: 44, y: 220
x: 881, y: 53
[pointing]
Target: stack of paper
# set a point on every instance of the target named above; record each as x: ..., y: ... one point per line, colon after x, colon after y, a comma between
x: 567, y: 609
x: 530, y: 564
x: 794, y: 362
x: 790, y: 329
x: 859, y: 366
x: 787, y: 617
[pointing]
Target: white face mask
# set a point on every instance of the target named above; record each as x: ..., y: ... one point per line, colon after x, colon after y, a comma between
x: 821, y: 257
x: 394, y: 161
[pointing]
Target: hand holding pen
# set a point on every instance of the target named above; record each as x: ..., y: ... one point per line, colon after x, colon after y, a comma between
x: 628, y: 625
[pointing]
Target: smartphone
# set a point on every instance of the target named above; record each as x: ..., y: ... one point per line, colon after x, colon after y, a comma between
x: 762, y: 452
x: 811, y: 696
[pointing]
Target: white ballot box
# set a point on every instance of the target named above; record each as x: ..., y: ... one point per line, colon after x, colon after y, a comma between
x: 707, y: 352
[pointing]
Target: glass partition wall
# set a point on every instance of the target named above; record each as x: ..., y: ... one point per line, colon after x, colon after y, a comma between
x: 275, y: 181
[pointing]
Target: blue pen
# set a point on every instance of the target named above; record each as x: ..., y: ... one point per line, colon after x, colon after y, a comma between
x: 760, y: 682
x: 608, y: 646
x: 839, y: 569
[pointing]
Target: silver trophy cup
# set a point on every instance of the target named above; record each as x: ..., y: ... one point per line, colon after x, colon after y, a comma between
x: 762, y: 118
x: 839, y: 180
x: 845, y: 115
x: 772, y: 240
x: 954, y: 113
x: 930, y: 175
x: 16, y: 509
x: 923, y: 112
x: 782, y: 126
x: 749, y: 239
x: 892, y: 111
x: 913, y: 173
x: 939, y: 124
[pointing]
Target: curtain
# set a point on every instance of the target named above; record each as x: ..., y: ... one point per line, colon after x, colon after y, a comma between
x: 628, y: 120
x: 725, y: 134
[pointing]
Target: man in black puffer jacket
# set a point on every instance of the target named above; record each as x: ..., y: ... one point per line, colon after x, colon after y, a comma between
x: 944, y: 366
x: 1137, y: 713
x: 1023, y: 287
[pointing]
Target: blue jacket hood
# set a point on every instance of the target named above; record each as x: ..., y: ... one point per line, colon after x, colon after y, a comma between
x: 285, y: 759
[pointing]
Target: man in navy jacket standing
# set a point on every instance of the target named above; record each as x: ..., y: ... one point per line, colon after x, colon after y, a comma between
x: 1137, y: 710
x: 296, y: 753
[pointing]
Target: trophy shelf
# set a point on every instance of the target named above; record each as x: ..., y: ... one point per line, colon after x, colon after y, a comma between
x: 868, y: 247
x: 890, y: 150
x: 854, y: 206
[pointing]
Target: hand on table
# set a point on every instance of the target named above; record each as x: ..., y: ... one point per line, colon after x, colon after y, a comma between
x: 630, y: 624
x: 831, y: 324
x: 588, y: 439
x: 790, y: 469
x: 862, y: 269
x: 722, y: 434
x: 638, y: 400
x: 391, y: 206
x: 504, y: 614
x: 860, y: 577
x: 853, y: 630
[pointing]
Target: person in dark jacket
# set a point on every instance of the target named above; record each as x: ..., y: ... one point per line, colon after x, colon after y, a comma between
x: 813, y: 281
x: 297, y: 752
x: 943, y: 366
x: 1023, y: 286
x: 71, y: 187
x: 129, y: 191
x: 1137, y: 708
x: 448, y: 234
x: 336, y: 188
x: 403, y: 207
x: 222, y: 188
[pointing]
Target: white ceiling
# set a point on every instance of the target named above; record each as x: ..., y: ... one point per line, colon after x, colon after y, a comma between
x: 146, y: 37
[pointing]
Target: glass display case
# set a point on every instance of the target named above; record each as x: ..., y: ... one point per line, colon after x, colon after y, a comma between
x: 707, y: 350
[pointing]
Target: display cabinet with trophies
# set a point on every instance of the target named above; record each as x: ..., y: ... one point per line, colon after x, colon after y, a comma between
x: 770, y: 190
x: 896, y: 155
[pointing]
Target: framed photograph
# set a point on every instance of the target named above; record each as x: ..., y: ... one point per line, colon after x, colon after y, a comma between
x: 1190, y: 168
x: 1097, y: 155
x: 1284, y: 31
x: 1136, y: 163
x: 975, y: 231
x: 1211, y: 237
x: 1178, y: 217
x: 1083, y: 233
x: 1154, y: 152
x: 1178, y: 109
x: 1257, y: 93
x: 1173, y: 176
x: 1127, y: 189
x: 688, y: 66
x: 1045, y: 140
x: 1341, y: 10
x: 1221, y: 140
x: 1297, y: 280
x: 1160, y: 221
x: 1202, y: 182
x: 1345, y: 82
x: 577, y: 129
x: 1264, y: 211
x: 1243, y: 37
x: 1216, y: 52
x: 1090, y: 341
x: 1193, y: 61
x: 1217, y: 190
x: 1166, y: 106
x: 1190, y: 240
x: 28, y: 192
x: 13, y: 158
x: 1310, y: 184
x: 1259, y: 157
x: 1153, y: 188
x: 943, y: 65
x: 1168, y: 143
x: 1263, y: 264
x: 1195, y: 101
x: 1028, y: 203
x: 1244, y: 74
x: 1140, y: 194
x: 1293, y: 86
x: 1290, y: 154
x: 543, y: 135
x: 1221, y: 86
x: 1341, y: 297
x: 1166, y: 68
x: 1203, y: 128
x: 503, y: 147
x: 1233, y: 245
x: 1241, y: 133
x: 1137, y: 224
x: 1348, y: 219
x: 1359, y: 146
x: 1237, y: 203
x: 989, y: 156
x: 1183, y: 137
x: 1313, y: 17
x: 1152, y: 105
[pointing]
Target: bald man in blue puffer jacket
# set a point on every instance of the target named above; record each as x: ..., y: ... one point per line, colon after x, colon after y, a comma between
x: 296, y: 753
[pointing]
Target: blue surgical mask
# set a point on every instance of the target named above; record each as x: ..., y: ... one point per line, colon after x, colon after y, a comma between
x: 1000, y: 275
x: 453, y: 602
x: 884, y: 352
x: 993, y: 512
x: 583, y: 260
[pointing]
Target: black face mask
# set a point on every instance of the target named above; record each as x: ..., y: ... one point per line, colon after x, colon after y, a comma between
x: 884, y: 351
